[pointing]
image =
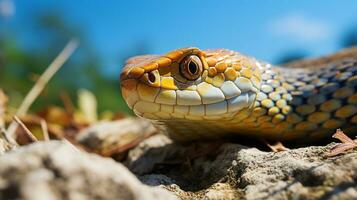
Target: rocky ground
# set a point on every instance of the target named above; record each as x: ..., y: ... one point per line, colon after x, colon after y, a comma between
x: 161, y: 169
x: 234, y: 171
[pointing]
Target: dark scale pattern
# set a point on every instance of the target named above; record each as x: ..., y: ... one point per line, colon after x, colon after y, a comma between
x: 323, y: 99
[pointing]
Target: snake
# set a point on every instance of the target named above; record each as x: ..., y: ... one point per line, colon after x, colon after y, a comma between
x: 196, y: 94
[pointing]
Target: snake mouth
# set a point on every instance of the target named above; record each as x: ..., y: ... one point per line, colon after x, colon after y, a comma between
x: 164, y: 104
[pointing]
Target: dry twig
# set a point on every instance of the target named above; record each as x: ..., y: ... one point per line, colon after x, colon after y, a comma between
x: 42, y: 82
x: 9, y: 139
x: 67, y: 102
x: 347, y: 143
x: 44, y: 127
x: 3, y: 101
x: 27, y: 131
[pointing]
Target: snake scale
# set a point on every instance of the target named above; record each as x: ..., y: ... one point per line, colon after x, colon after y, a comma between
x: 209, y: 94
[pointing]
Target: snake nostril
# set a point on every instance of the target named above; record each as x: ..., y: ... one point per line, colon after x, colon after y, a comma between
x: 151, y: 77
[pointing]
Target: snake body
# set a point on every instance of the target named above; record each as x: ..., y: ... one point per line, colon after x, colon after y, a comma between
x: 210, y: 94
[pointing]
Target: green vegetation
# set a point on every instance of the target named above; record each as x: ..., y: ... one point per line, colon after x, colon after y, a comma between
x: 20, y: 67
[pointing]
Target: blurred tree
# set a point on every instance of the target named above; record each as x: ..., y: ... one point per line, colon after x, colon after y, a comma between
x: 290, y: 56
x: 20, y: 66
x: 350, y: 38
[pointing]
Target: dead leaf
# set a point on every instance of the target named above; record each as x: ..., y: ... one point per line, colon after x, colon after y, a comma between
x: 277, y: 147
x: 347, y: 143
x: 87, y: 104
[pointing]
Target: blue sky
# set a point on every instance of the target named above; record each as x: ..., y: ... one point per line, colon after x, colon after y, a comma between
x: 264, y: 29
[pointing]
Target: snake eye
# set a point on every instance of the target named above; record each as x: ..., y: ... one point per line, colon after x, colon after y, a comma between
x: 191, y: 67
x: 151, y: 77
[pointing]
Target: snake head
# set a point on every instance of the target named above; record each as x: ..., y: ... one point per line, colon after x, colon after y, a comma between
x: 190, y: 84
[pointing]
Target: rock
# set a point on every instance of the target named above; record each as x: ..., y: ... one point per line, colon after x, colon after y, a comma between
x: 57, y: 170
x: 156, y: 180
x: 143, y: 158
x: 221, y: 191
x: 234, y: 171
x: 304, y: 173
x: 109, y: 138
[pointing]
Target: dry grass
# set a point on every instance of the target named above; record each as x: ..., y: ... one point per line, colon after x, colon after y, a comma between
x: 40, y: 84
